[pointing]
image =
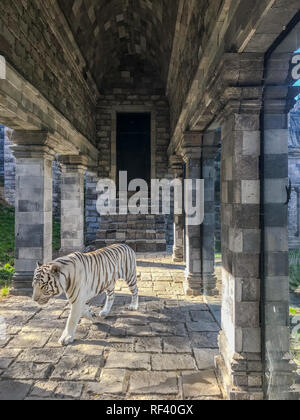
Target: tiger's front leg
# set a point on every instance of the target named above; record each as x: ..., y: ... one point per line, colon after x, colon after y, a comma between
x: 72, y: 323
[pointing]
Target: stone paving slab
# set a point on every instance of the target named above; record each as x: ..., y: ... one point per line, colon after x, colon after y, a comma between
x: 165, y: 350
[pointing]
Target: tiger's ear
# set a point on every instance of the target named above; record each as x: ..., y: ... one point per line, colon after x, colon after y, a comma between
x: 55, y: 269
x: 38, y: 264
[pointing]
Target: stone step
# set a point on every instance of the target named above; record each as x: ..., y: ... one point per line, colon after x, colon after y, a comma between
x: 131, y: 234
x: 137, y: 245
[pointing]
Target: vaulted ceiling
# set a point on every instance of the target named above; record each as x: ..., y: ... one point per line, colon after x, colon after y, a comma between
x: 114, y: 34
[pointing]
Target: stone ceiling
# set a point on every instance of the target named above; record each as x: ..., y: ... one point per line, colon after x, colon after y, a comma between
x: 113, y: 34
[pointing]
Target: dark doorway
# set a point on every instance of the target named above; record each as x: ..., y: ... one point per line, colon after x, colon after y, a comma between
x: 134, y: 146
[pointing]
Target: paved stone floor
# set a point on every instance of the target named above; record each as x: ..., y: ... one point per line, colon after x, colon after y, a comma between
x: 164, y: 351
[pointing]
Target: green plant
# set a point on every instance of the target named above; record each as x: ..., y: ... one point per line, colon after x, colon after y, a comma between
x: 7, y: 235
x: 6, y: 275
x: 294, y: 271
x: 4, y: 292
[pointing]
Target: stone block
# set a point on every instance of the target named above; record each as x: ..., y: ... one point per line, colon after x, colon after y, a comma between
x: 167, y: 362
x: 200, y: 384
x: 129, y: 361
x: 205, y: 358
x: 250, y: 192
x: 159, y: 383
x: 27, y: 371
x: 111, y: 382
x: 14, y: 390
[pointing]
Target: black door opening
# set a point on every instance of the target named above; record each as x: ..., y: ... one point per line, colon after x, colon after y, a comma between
x: 134, y: 146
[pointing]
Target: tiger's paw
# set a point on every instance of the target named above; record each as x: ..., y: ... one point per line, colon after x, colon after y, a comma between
x: 133, y: 308
x: 90, y: 316
x: 66, y: 339
x: 103, y: 314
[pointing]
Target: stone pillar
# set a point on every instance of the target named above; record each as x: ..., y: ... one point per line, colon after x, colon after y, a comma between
x: 279, y: 369
x: 33, y: 219
x: 72, y: 203
x: 176, y: 165
x: 209, y: 154
x: 240, y: 363
x: 191, y: 152
x: 92, y: 216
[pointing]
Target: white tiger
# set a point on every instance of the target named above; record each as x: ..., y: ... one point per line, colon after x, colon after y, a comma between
x: 84, y: 276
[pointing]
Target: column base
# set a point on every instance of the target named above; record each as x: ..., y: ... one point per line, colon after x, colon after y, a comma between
x: 177, y: 259
x: 22, y: 284
x: 193, y: 285
x: 210, y: 285
x: 177, y: 254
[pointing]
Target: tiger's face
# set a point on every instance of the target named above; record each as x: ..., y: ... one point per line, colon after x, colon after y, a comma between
x: 46, y: 283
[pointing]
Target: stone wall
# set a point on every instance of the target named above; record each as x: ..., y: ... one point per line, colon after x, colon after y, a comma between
x: 132, y: 92
x: 35, y: 42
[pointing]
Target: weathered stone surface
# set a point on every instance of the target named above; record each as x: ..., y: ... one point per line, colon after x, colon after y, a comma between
x: 14, y: 390
x: 203, y: 326
x: 153, y: 383
x: 176, y: 345
x: 202, y: 316
x: 128, y: 361
x: 30, y: 340
x: 164, y: 328
x: 204, y: 340
x: 205, y: 358
x: 169, y: 361
x: 41, y: 355
x: 43, y: 389
x: 77, y: 369
x: 5, y: 363
x: 149, y: 345
x: 25, y: 370
x: 67, y: 390
x: 111, y: 382
x: 196, y: 384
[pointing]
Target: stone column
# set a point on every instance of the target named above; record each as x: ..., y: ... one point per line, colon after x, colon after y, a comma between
x: 176, y: 165
x: 92, y: 216
x: 279, y: 369
x: 191, y: 152
x: 240, y: 363
x: 72, y: 203
x: 33, y: 218
x: 209, y: 154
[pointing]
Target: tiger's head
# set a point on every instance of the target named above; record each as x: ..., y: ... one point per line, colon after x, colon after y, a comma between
x: 46, y: 284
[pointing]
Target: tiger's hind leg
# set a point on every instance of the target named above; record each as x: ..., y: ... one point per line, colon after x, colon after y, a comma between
x: 89, y: 315
x: 110, y: 298
x: 134, y: 306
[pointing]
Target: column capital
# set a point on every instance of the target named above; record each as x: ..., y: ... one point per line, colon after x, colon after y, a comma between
x: 191, y: 146
x: 32, y: 144
x: 73, y: 162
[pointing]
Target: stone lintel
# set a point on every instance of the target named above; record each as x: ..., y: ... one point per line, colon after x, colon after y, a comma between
x: 32, y: 144
x: 76, y: 162
x: 33, y: 152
